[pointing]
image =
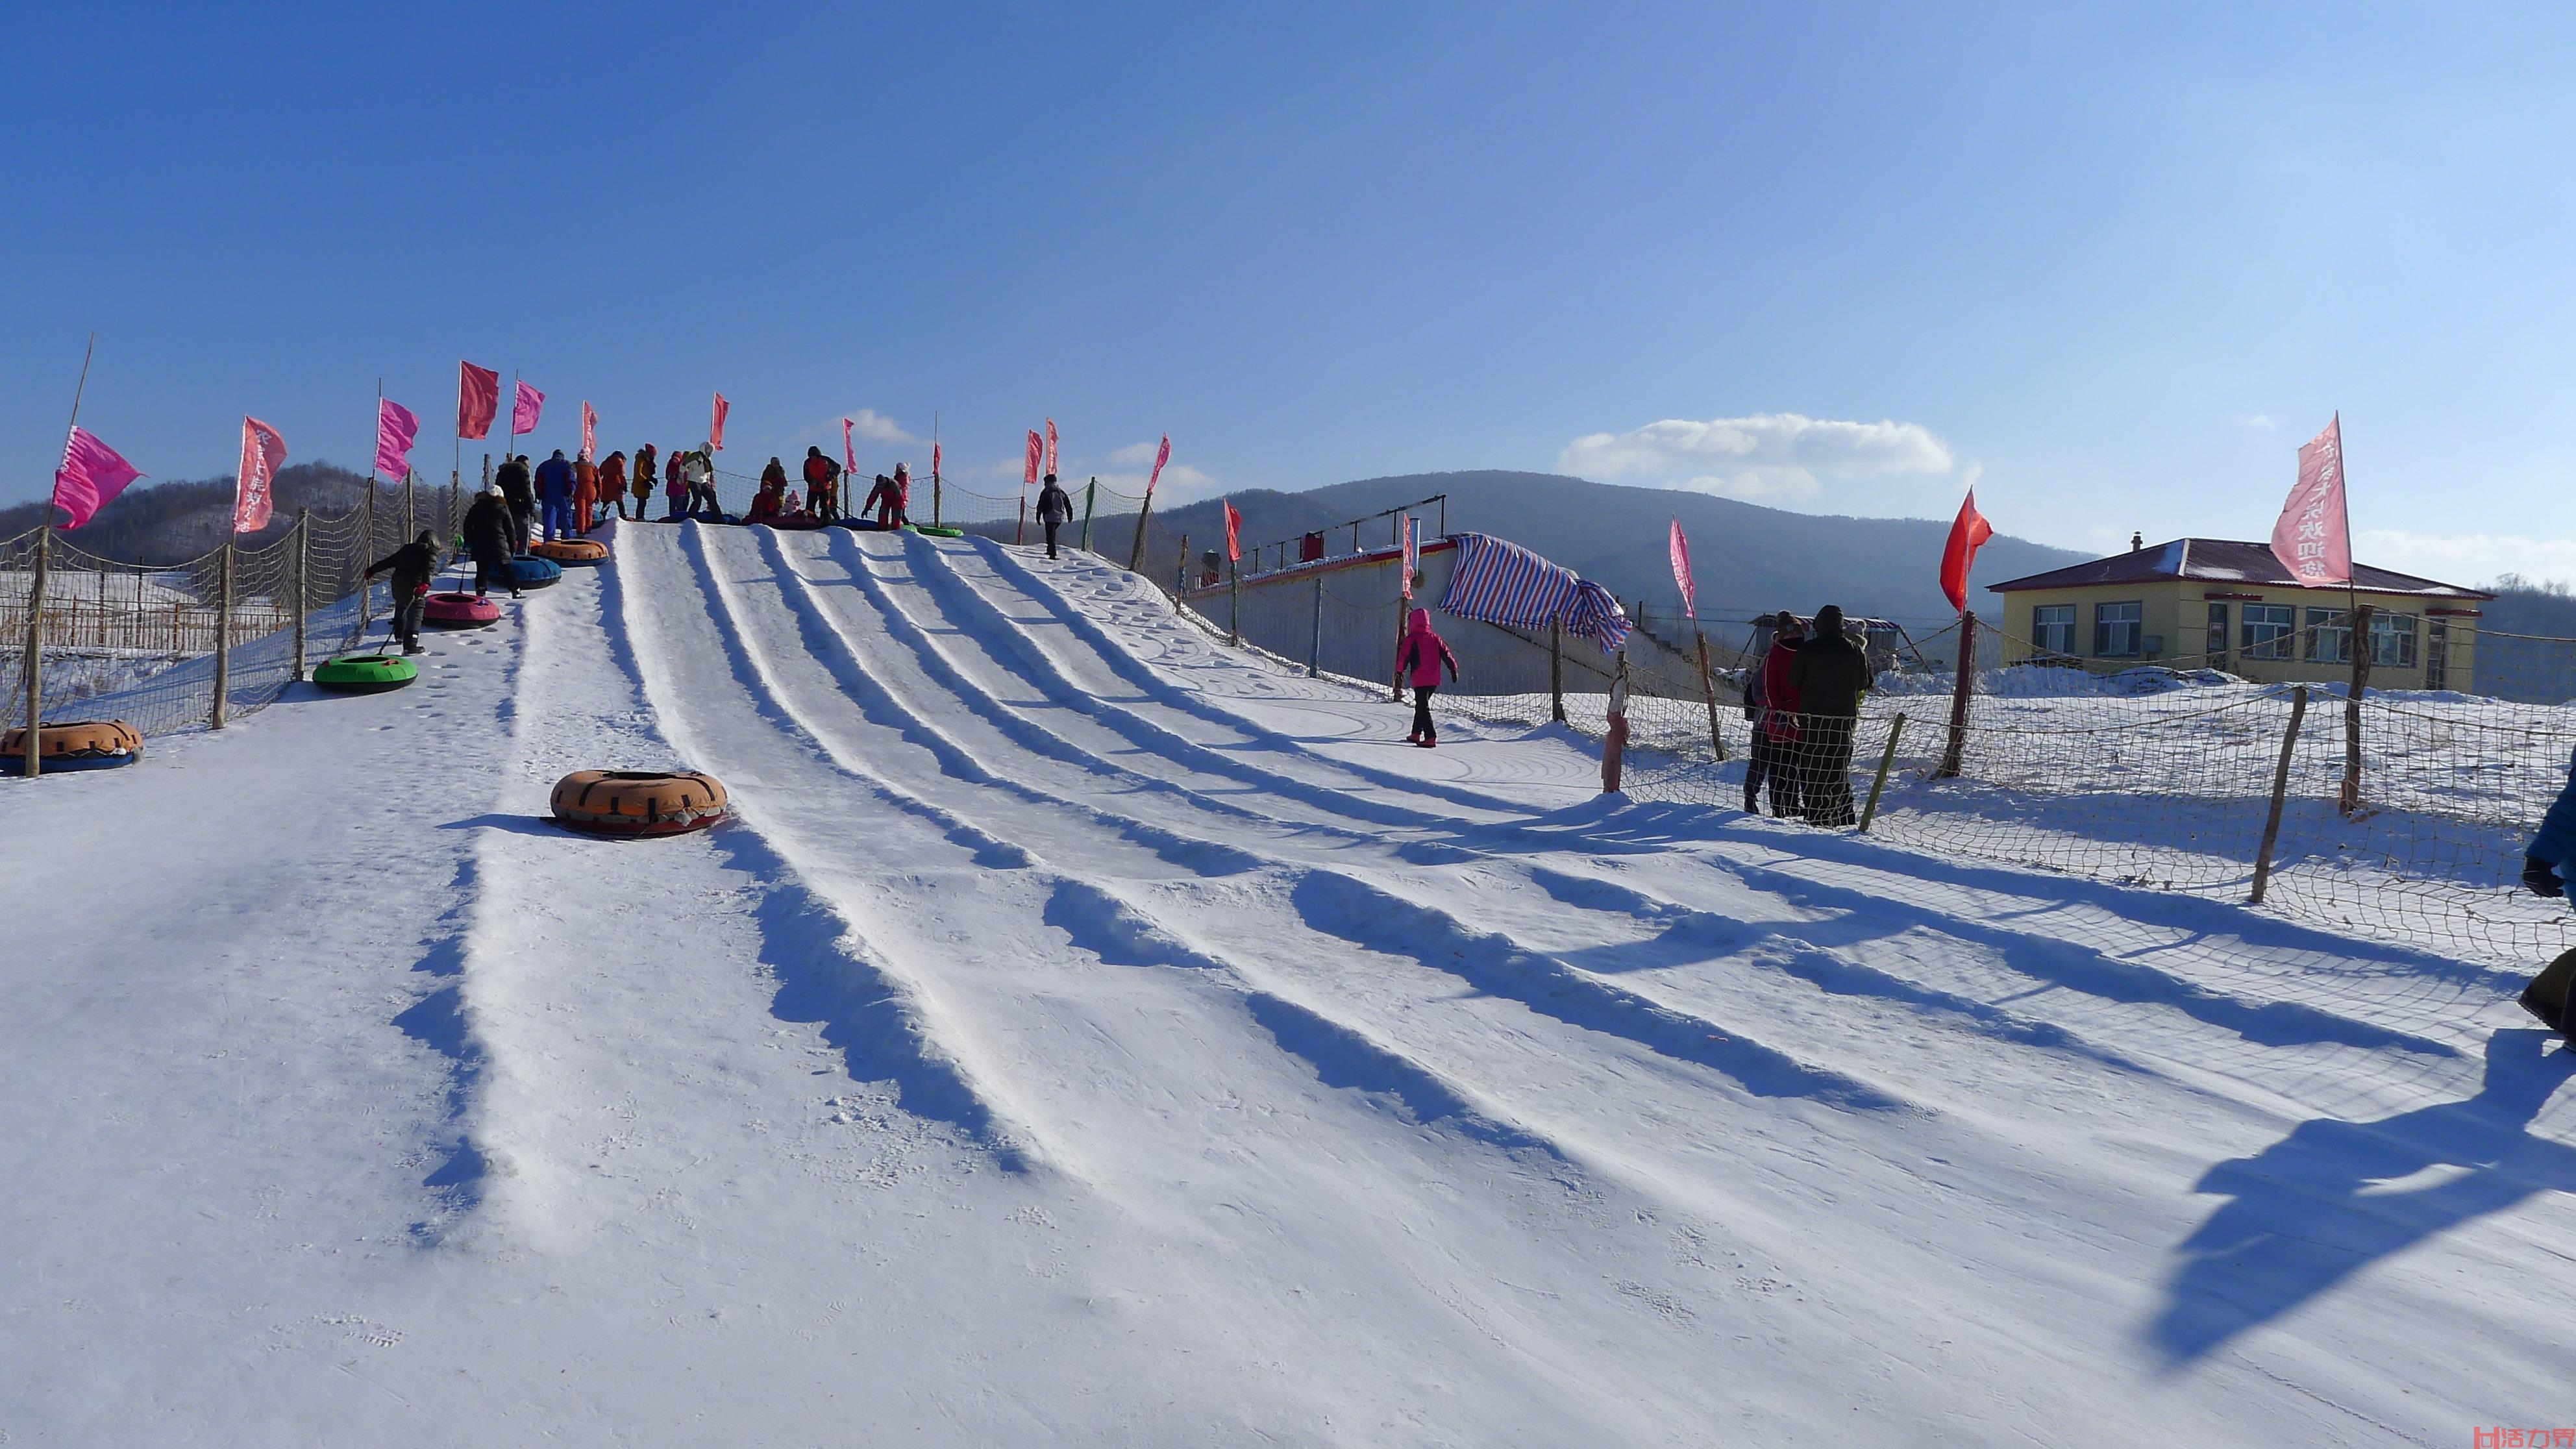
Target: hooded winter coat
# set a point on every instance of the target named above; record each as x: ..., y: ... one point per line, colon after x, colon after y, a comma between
x: 554, y: 479
x: 412, y: 565
x: 512, y: 476
x: 488, y: 530
x: 1054, y: 504
x: 1831, y: 673
x: 1779, y: 691
x: 1424, y: 651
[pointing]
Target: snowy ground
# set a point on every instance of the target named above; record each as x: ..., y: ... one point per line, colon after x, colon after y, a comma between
x: 1083, y: 1037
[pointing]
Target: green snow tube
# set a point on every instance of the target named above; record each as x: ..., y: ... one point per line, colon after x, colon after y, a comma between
x: 936, y: 532
x: 365, y: 673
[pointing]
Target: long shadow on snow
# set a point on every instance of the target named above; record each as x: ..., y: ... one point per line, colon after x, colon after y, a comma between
x: 2304, y: 1218
x: 437, y: 1021
x: 824, y: 978
x: 1339, y: 1056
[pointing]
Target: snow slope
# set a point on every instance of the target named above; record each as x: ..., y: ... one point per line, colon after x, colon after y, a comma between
x: 1084, y: 1036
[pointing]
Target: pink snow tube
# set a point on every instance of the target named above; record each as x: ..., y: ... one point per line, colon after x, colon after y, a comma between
x: 458, y: 611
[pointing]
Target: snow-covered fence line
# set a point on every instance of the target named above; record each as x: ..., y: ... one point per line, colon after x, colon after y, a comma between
x: 155, y: 645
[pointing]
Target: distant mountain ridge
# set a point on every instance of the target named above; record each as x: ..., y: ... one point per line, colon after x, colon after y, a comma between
x: 1747, y: 558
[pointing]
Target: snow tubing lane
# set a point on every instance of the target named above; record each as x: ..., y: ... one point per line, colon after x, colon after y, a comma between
x: 80, y: 745
x: 638, y: 802
x: 533, y: 572
x: 364, y: 673
x: 573, y: 551
x: 458, y: 611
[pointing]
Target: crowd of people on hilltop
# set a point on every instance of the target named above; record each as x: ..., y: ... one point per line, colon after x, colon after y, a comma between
x: 1804, y: 703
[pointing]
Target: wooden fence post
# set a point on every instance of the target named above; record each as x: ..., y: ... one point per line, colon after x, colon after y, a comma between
x: 303, y: 594
x: 1886, y: 757
x: 1181, y: 577
x: 1959, y: 692
x: 223, y: 639
x: 411, y: 509
x: 1708, y: 691
x: 1090, y: 492
x: 1136, y: 550
x: 2280, y: 792
x: 1021, y: 533
x: 366, y: 546
x: 31, y: 764
x: 1614, y: 747
x: 1395, y: 686
x: 1234, y: 603
x: 2358, y: 635
x: 1556, y: 669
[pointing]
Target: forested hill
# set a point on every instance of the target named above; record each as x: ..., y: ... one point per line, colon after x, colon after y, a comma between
x: 1748, y: 558
x: 167, y: 523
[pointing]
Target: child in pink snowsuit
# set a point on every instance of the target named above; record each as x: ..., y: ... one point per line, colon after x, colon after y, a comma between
x: 1419, y: 660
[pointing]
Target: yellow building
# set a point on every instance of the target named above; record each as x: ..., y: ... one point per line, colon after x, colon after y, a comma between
x: 2215, y: 603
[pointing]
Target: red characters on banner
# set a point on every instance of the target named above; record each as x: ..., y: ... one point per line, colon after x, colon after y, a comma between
x: 1050, y: 454
x: 1162, y: 455
x: 1233, y: 532
x: 2313, y: 538
x: 1411, y: 563
x: 263, y: 451
x: 1037, y: 454
x: 396, y: 426
x: 1967, y: 534
x: 478, y: 400
x: 589, y: 430
x: 1682, y: 572
x: 849, y: 454
x: 715, y: 424
x: 90, y: 478
x: 525, y: 405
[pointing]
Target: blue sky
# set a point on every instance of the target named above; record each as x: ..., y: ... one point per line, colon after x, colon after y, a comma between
x: 2112, y: 263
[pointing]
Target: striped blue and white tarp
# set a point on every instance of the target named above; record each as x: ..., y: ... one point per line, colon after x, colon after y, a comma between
x: 1499, y: 582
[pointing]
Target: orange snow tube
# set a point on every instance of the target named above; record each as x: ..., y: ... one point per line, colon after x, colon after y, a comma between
x: 84, y: 745
x: 638, y: 802
x: 572, y: 550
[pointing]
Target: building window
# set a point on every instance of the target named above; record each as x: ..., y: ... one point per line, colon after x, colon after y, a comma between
x: 2329, y: 637
x: 2268, y: 628
x: 2115, y: 630
x: 2392, y: 640
x: 2217, y: 647
x: 2052, y: 630
x: 2437, y: 655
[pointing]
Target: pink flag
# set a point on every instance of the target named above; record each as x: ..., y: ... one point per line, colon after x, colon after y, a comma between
x: 2313, y: 539
x: 1233, y: 532
x: 1037, y: 452
x: 262, y: 451
x: 589, y: 429
x: 396, y: 426
x: 1412, y: 561
x: 934, y: 462
x: 715, y: 425
x: 524, y: 409
x: 850, y: 455
x: 1162, y: 455
x: 1682, y: 572
x: 90, y: 478
x: 478, y: 400
x: 1050, y: 458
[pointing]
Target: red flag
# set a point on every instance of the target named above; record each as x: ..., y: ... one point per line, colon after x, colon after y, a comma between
x: 934, y: 462
x: 1967, y: 535
x: 1233, y: 532
x: 1050, y: 458
x: 589, y: 429
x: 396, y: 426
x: 1162, y: 455
x: 262, y: 451
x: 715, y: 425
x: 2313, y: 538
x: 478, y: 400
x: 1037, y: 451
x: 1682, y: 572
x: 525, y: 405
x: 90, y: 478
x: 1412, y: 560
x: 850, y: 455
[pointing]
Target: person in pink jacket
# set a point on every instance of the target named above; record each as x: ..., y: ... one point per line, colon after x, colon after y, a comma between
x: 1419, y: 661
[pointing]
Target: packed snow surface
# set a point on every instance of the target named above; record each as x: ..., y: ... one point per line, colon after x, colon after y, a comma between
x: 1085, y: 1034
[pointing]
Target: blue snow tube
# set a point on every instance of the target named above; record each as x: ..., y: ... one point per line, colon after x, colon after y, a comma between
x: 533, y: 572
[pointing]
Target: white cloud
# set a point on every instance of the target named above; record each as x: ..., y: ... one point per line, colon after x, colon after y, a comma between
x: 1136, y: 452
x: 1767, y: 458
x: 2471, y: 558
x: 2257, y: 420
x: 876, y: 426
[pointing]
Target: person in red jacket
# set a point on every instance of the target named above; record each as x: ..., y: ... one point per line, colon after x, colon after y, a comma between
x: 585, y: 493
x: 1419, y: 662
x: 612, y: 485
x: 822, y: 486
x: 1775, y: 725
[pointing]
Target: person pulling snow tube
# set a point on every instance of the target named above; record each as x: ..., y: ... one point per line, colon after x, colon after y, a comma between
x: 458, y: 611
x: 92, y: 744
x: 364, y: 673
x: 936, y: 532
x: 638, y: 802
x: 571, y: 551
x: 533, y: 573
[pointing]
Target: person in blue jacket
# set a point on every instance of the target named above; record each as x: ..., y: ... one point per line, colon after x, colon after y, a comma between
x: 554, y: 495
x: 2548, y: 863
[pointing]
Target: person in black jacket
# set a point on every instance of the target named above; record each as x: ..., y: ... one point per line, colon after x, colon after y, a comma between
x: 411, y: 565
x: 518, y: 486
x: 1831, y: 673
x: 1055, y: 510
x: 488, y: 529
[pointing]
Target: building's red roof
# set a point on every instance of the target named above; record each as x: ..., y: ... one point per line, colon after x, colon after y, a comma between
x: 2220, y: 561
